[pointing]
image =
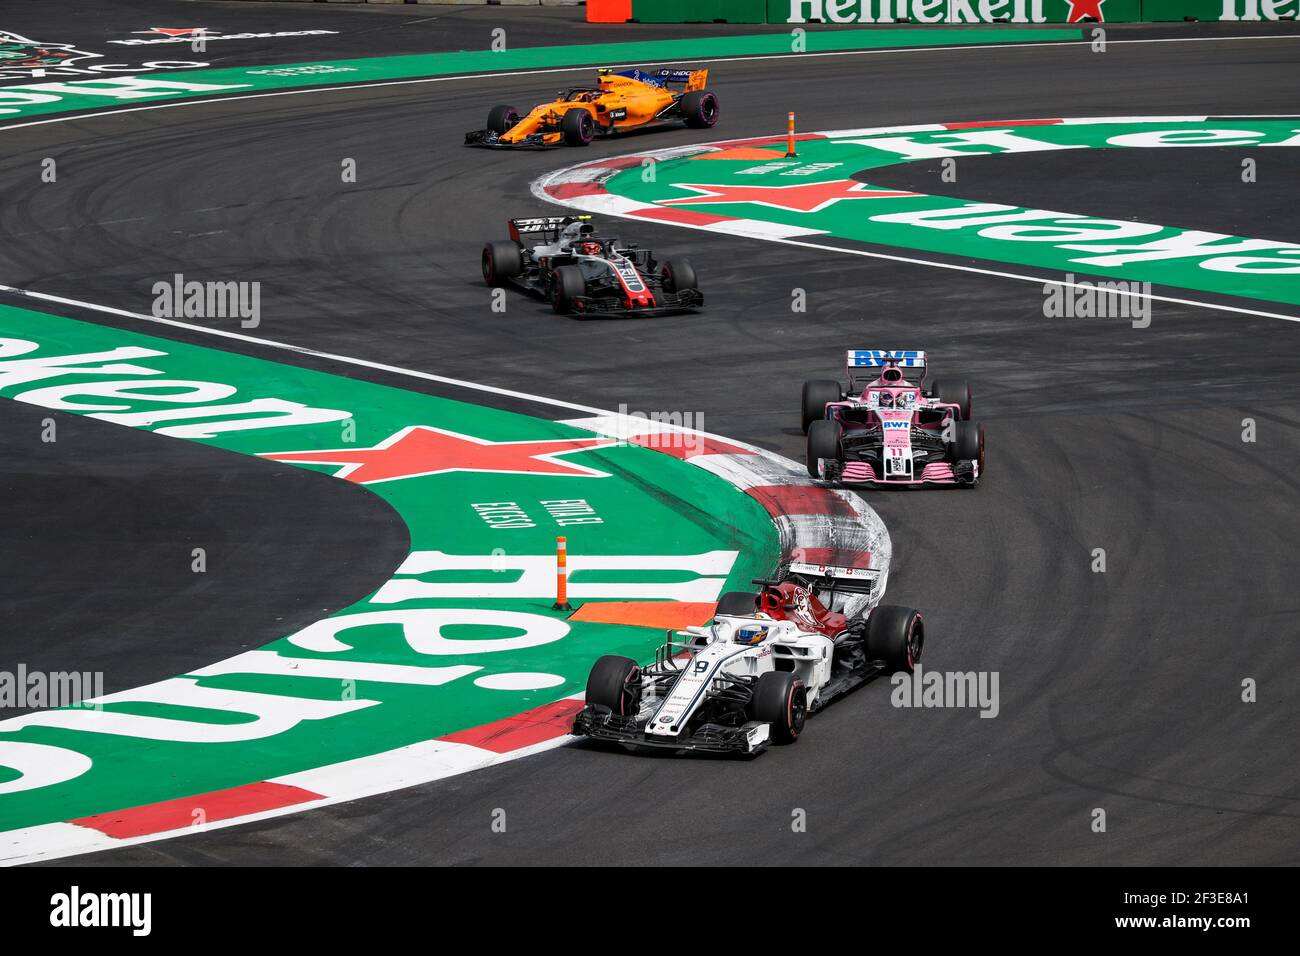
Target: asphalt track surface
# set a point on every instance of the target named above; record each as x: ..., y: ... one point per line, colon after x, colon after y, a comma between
x: 1118, y: 690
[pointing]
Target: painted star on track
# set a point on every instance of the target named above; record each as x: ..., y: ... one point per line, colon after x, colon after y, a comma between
x: 421, y: 450
x: 800, y: 197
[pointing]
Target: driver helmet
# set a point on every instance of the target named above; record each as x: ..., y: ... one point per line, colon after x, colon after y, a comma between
x: 751, y: 634
x: 589, y: 249
x: 887, y: 399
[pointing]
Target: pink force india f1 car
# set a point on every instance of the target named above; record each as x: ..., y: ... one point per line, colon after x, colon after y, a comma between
x: 891, y: 428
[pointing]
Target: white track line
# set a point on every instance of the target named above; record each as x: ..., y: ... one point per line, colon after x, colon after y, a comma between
x: 198, y: 101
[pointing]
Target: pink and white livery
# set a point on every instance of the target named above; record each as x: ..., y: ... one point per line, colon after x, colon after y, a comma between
x: 891, y: 428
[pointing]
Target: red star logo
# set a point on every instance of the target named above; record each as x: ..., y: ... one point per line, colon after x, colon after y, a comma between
x: 420, y: 450
x: 801, y: 197
x: 1085, y: 8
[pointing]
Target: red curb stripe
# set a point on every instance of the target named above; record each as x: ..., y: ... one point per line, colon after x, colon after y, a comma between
x: 687, y: 447
x: 981, y: 124
x: 616, y: 162
x: 685, y: 216
x: 782, y: 500
x: 522, y: 730
x: 833, y: 557
x: 570, y: 190
x: 180, y: 813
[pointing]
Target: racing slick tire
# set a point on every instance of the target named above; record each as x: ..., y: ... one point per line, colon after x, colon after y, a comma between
x: 577, y: 126
x: 502, y: 259
x: 615, y: 682
x: 679, y: 276
x: 895, y: 635
x: 817, y: 394
x: 967, y: 443
x: 823, y: 442
x: 954, y: 393
x: 501, y: 118
x: 780, y: 699
x: 567, y: 284
x: 699, y: 109
x: 738, y: 603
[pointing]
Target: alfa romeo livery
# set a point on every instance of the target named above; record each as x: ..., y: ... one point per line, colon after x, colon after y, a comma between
x: 751, y: 677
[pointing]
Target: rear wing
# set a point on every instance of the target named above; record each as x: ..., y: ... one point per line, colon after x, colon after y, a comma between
x: 548, y: 228
x: 692, y: 79
x: 829, y: 576
x: 866, y: 365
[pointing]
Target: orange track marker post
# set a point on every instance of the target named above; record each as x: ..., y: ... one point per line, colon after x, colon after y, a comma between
x: 561, y: 575
x: 789, y: 142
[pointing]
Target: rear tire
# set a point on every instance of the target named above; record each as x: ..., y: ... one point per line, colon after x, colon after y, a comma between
x: 954, y: 393
x: 502, y: 118
x: 780, y: 699
x: 615, y: 682
x: 817, y: 394
x: 567, y: 285
x: 823, y: 442
x: 895, y: 635
x: 699, y: 109
x: 577, y: 126
x: 738, y: 603
x: 502, y: 259
x: 679, y: 276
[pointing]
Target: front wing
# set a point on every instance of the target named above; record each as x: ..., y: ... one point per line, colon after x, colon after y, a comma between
x: 600, y: 723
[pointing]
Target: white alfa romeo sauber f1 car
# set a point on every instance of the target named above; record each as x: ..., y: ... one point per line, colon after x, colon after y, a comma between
x: 751, y: 677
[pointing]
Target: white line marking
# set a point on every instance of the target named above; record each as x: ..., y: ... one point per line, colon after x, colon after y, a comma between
x: 300, y: 349
x: 596, y: 204
x: 197, y: 101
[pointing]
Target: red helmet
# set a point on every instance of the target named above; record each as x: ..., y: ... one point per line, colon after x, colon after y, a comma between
x: 589, y: 249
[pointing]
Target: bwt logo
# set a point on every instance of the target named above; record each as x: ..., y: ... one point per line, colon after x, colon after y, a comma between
x: 208, y: 300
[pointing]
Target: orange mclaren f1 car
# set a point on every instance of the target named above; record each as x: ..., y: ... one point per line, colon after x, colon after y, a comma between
x: 619, y: 101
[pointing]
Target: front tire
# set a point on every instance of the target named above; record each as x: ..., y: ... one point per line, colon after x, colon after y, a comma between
x: 567, y: 285
x: 577, y: 126
x: 679, y: 276
x: 502, y: 118
x: 502, y: 259
x: 780, y: 699
x: 896, y: 636
x: 823, y: 443
x: 967, y: 443
x: 615, y: 682
x: 699, y: 109
x: 817, y: 394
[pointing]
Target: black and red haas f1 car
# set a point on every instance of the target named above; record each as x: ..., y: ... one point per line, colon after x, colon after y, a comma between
x: 563, y: 259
